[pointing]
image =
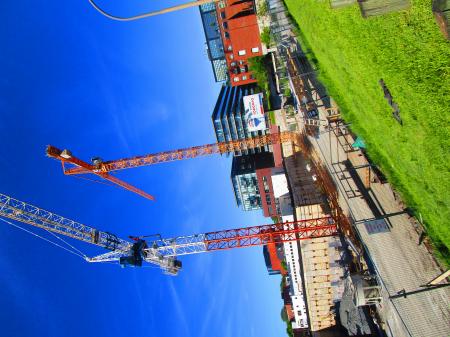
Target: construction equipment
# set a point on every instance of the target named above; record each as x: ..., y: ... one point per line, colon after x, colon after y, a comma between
x: 103, y: 168
x: 158, y: 251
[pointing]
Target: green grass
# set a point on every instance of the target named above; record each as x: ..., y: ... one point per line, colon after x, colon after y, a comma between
x: 273, y: 122
x: 407, y: 50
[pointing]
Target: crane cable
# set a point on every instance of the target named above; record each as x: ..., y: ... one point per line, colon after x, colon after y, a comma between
x: 80, y: 254
x: 93, y: 180
x: 71, y: 246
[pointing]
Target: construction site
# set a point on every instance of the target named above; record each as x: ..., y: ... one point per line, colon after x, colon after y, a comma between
x: 352, y: 259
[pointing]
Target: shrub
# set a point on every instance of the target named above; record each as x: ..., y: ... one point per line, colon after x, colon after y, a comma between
x: 263, y: 8
x: 265, y: 36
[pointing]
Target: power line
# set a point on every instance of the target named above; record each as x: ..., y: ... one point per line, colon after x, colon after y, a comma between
x: 148, y: 14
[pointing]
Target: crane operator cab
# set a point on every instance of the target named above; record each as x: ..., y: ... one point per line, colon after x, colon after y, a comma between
x: 97, y: 162
x: 172, y: 267
x: 136, y: 257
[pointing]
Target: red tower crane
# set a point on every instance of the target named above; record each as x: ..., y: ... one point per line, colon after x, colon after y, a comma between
x: 159, y: 251
x: 104, y: 168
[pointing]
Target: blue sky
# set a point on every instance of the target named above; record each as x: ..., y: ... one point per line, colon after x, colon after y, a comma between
x: 76, y: 80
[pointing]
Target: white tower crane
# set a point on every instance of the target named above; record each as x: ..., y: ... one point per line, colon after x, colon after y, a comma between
x: 156, y: 250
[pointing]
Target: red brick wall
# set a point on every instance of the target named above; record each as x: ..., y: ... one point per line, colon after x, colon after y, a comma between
x: 277, y: 152
x: 289, y: 312
x: 274, y: 259
x: 242, y: 32
x: 266, y: 172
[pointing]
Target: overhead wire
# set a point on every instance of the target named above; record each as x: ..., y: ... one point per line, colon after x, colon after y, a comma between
x: 147, y: 14
x: 121, y: 18
x: 114, y: 17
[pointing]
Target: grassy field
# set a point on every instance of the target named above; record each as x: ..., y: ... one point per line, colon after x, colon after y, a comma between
x: 407, y: 50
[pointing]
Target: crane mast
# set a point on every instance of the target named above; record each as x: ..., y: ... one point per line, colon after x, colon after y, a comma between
x: 103, y: 168
x: 157, y: 250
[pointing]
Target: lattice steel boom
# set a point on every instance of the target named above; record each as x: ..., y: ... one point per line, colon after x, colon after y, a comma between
x: 159, y: 251
x: 102, y: 169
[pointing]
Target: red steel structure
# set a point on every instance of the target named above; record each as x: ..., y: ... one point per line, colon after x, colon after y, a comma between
x: 270, y: 234
x: 102, y: 169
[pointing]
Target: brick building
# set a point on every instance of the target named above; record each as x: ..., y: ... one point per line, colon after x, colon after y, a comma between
x: 237, y: 25
x: 273, y: 255
x: 265, y: 186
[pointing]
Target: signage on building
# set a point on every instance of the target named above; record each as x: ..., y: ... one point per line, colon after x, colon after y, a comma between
x: 254, y: 112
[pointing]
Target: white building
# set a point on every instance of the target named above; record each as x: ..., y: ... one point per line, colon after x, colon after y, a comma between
x: 291, y: 253
x: 292, y: 256
x: 281, y: 194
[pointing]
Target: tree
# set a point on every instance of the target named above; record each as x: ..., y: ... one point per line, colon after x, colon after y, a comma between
x: 266, y: 38
x: 283, y: 314
x: 284, y: 265
x: 257, y: 66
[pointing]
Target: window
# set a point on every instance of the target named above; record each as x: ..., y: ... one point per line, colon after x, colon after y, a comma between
x: 231, y: 56
x: 230, y: 48
x: 255, y: 50
x: 225, y: 25
x: 241, y: 52
x: 222, y: 4
x: 244, y: 78
x: 236, y: 79
x: 222, y: 14
x: 227, y: 35
x: 233, y: 64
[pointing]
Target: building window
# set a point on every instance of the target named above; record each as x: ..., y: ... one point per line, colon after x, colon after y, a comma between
x: 244, y: 78
x: 255, y: 50
x: 230, y: 48
x: 227, y: 35
x: 231, y: 56
x: 222, y: 4
x: 225, y: 25
x: 236, y: 79
x: 233, y: 64
x: 222, y: 14
x: 241, y: 52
